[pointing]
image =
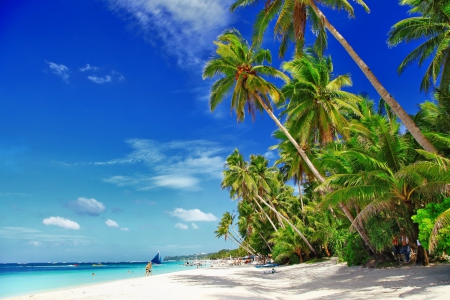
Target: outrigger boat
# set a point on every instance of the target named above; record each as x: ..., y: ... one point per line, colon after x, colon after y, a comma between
x: 157, y: 259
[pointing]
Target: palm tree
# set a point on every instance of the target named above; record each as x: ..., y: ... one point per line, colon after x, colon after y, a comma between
x: 241, y: 68
x: 241, y: 184
x: 318, y: 107
x: 432, y: 29
x: 288, y: 243
x: 223, y: 229
x: 291, y: 21
x: 375, y: 171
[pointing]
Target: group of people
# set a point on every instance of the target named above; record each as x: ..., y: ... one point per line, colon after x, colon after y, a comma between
x: 401, y: 245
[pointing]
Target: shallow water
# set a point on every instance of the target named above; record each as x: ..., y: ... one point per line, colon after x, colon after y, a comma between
x: 25, y: 279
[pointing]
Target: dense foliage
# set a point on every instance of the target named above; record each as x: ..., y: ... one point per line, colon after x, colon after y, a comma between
x: 360, y: 178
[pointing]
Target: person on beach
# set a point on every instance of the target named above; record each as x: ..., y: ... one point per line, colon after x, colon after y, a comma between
x: 405, y: 245
x: 148, y: 269
x: 396, y: 249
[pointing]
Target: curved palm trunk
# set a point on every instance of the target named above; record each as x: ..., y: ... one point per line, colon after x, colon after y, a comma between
x: 270, y: 248
x: 357, y: 226
x: 280, y: 221
x: 290, y: 224
x: 242, y: 241
x: 395, y: 106
x: 266, y: 215
x: 291, y: 139
x: 240, y: 244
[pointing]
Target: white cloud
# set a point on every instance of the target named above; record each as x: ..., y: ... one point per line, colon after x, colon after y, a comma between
x: 61, y: 222
x: 176, y: 182
x: 88, y: 68
x: 192, y: 215
x: 111, y: 223
x: 186, y: 28
x: 85, y: 206
x: 59, y: 70
x: 100, y: 80
x: 194, y: 226
x: 124, y: 229
x: 175, y: 165
x: 181, y: 226
x: 35, y: 243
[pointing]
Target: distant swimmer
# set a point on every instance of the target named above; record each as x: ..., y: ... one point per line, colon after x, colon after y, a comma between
x: 93, y: 274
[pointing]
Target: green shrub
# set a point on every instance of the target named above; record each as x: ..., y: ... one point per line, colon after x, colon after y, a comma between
x: 354, y: 252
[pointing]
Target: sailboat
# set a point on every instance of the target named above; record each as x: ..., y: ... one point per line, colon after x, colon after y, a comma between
x: 157, y: 259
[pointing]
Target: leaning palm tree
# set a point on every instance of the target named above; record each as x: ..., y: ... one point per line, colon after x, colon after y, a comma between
x: 432, y: 29
x: 291, y: 21
x: 223, y: 229
x: 241, y: 68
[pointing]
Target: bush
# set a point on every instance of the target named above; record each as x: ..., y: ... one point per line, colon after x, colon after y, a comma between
x: 426, y: 218
x: 354, y: 252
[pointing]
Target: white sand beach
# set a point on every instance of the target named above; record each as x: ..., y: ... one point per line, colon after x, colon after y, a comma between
x: 324, y: 280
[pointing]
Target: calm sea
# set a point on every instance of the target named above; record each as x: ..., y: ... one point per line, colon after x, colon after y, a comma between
x: 24, y: 279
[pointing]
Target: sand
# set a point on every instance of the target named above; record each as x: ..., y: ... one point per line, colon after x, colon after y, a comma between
x: 325, y: 280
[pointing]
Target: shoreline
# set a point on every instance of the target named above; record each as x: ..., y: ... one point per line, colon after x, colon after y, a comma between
x: 305, y: 281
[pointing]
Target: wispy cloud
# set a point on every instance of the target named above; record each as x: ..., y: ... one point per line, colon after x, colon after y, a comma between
x: 181, y: 226
x: 185, y: 28
x: 85, y: 206
x: 194, y: 226
x: 38, y: 238
x: 186, y: 164
x: 61, y: 222
x: 105, y: 75
x: 189, y: 215
x: 100, y: 80
x: 88, y: 68
x: 59, y: 70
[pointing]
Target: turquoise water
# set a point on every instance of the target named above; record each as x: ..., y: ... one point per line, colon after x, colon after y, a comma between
x: 25, y: 279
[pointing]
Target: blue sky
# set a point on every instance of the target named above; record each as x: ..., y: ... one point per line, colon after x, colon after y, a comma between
x: 108, y: 151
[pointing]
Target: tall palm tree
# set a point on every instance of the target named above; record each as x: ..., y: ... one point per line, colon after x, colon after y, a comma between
x: 241, y: 68
x: 291, y: 21
x: 432, y: 29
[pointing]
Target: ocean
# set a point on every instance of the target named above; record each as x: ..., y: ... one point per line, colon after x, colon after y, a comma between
x: 25, y: 279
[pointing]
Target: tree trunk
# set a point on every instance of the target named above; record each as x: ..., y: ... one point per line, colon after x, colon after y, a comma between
x: 357, y: 226
x: 290, y: 224
x: 241, y: 245
x: 395, y: 106
x: 300, y: 193
x: 291, y: 139
x: 270, y: 248
x: 299, y: 254
x: 327, y: 252
x: 267, y: 216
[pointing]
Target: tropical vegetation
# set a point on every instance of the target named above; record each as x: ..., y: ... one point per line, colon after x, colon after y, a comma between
x: 359, y: 176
